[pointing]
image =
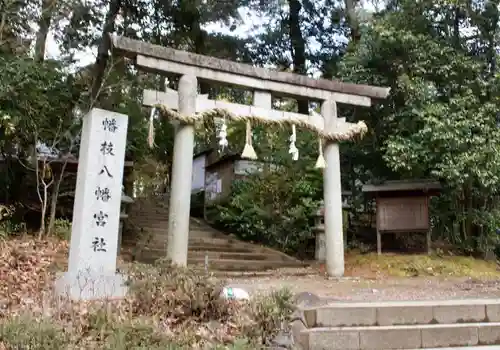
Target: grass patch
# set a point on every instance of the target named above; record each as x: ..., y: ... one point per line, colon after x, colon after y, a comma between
x: 167, y: 308
x: 397, y: 265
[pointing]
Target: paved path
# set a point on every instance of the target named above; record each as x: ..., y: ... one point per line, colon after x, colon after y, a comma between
x: 371, y: 290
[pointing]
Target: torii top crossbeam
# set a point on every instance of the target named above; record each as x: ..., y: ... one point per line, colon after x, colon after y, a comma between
x: 161, y: 59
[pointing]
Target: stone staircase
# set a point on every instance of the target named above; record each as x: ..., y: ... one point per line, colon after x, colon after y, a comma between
x: 440, y: 324
x: 148, y: 219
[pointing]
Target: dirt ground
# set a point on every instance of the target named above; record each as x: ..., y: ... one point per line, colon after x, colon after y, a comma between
x: 362, y: 289
x: 368, y: 276
x: 387, y: 277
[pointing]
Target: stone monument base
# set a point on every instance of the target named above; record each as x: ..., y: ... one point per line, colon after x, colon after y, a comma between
x: 91, y: 285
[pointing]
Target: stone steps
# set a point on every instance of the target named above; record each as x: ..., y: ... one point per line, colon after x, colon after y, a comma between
x: 485, y: 347
x: 147, y: 219
x: 220, y: 242
x: 201, y: 245
x: 148, y: 210
x: 250, y: 256
x: 160, y: 227
x: 150, y: 213
x: 403, y: 337
x: 232, y: 248
x: 404, y: 313
x: 199, y: 255
x: 147, y: 222
x: 401, y: 325
x: 161, y: 234
x: 231, y: 265
x: 243, y: 263
x: 225, y: 254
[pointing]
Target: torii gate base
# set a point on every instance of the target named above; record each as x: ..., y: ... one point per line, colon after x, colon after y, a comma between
x: 192, y: 67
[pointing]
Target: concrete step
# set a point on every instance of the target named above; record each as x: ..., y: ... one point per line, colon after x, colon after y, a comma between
x: 155, y: 250
x: 197, y: 246
x: 193, y: 233
x: 242, y: 265
x: 160, y: 215
x: 161, y: 220
x: 161, y: 234
x: 249, y: 256
x: 232, y: 265
x: 146, y: 223
x: 136, y: 212
x: 152, y: 245
x: 144, y: 218
x: 340, y: 314
x: 401, y: 337
x: 485, y: 347
x: 233, y: 248
x: 215, y: 241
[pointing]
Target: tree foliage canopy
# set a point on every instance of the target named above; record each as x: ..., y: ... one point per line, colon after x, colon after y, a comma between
x: 440, y: 121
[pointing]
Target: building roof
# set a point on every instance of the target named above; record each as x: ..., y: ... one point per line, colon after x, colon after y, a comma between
x: 230, y: 157
x: 404, y: 186
x: 204, y: 152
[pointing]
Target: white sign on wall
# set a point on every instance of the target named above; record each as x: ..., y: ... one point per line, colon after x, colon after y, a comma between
x: 198, y: 178
x: 213, y: 186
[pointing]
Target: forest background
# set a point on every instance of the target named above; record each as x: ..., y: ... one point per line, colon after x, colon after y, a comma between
x: 441, y: 120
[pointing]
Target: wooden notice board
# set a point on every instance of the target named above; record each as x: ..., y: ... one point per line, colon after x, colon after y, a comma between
x: 402, y: 214
x: 403, y: 206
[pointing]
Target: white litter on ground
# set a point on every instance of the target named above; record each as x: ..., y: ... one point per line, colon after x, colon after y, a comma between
x: 235, y: 293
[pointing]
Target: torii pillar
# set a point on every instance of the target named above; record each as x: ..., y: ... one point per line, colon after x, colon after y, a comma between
x: 332, y: 196
x: 182, y: 169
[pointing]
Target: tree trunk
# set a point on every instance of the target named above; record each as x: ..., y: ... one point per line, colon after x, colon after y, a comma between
x: 492, y: 9
x: 456, y: 27
x: 103, y: 50
x: 53, y: 200
x: 42, y: 231
x: 43, y: 31
x: 352, y: 20
x: 40, y: 180
x: 198, y: 36
x: 298, y: 47
x: 468, y: 209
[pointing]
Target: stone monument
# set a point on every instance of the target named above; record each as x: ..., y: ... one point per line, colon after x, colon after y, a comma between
x: 96, y: 213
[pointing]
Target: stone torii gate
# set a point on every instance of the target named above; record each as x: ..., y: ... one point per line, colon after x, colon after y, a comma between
x: 264, y: 83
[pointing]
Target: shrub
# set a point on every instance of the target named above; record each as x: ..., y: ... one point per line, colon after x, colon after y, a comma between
x: 167, y: 308
x: 98, y: 329
x: 178, y: 294
x: 276, y: 209
x: 62, y: 229
x: 26, y: 332
x: 268, y: 314
x: 8, y: 226
x: 135, y: 334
